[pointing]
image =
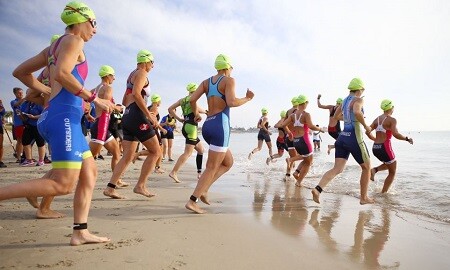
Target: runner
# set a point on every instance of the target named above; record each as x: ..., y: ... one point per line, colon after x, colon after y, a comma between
x: 281, y: 143
x: 73, y: 165
x: 220, y: 92
x: 263, y: 134
x: 334, y: 126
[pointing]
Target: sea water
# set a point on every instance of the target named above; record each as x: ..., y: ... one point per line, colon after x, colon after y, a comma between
x: 421, y: 185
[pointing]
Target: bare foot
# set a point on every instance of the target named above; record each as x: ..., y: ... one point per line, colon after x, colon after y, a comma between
x: 174, y: 177
x: 81, y: 237
x: 298, y: 183
x: 295, y: 174
x: 159, y: 170
x: 33, y: 201
x: 316, y: 195
x: 110, y: 192
x: 367, y: 200
x: 122, y: 184
x: 372, y: 174
x: 48, y: 214
x: 204, y: 199
x: 190, y: 205
x: 143, y: 192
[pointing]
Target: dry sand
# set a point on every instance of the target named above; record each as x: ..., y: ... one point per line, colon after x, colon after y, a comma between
x: 253, y: 223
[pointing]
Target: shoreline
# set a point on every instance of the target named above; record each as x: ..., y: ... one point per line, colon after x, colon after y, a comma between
x: 253, y: 223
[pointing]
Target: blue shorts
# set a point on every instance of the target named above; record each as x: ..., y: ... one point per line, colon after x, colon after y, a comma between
x: 348, y: 143
x: 61, y: 128
x: 216, y: 132
x: 303, y: 148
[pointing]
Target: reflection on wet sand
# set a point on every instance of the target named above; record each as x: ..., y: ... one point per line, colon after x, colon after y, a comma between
x: 368, y: 250
x: 290, y: 214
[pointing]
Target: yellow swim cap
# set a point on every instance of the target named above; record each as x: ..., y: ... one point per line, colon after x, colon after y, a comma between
x: 356, y: 84
x: 339, y: 101
x: 76, y: 12
x: 386, y: 105
x: 264, y: 110
x: 54, y: 37
x: 301, y: 99
x: 294, y: 101
x: 156, y: 98
x: 144, y: 56
x: 283, y: 114
x: 222, y: 62
x: 191, y: 87
x: 105, y: 70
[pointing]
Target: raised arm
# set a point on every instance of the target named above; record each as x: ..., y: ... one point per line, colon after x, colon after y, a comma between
x: 329, y: 107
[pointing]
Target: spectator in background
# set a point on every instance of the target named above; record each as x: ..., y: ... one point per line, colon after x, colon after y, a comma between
x: 18, y: 126
x: 169, y: 123
x: 2, y: 113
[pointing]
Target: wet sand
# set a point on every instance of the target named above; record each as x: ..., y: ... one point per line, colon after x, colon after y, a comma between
x: 253, y: 223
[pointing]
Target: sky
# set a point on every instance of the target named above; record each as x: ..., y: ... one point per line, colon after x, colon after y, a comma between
x: 279, y: 49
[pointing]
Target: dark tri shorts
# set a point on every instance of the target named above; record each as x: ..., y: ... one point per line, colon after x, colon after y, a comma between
x: 348, y: 143
x: 1, y: 129
x: 31, y: 134
x: 289, y: 143
x: 18, y: 132
x: 303, y: 148
x: 281, y: 145
x: 168, y: 135
x: 334, y: 131
x: 136, y: 127
x: 384, y: 152
x: 263, y: 136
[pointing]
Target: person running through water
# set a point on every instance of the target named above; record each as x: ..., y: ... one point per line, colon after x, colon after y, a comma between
x: 350, y: 141
x: 73, y: 167
x: 334, y: 125
x: 263, y: 134
x: 302, y: 123
x: 189, y: 131
x: 386, y: 126
x: 290, y: 138
x: 220, y: 92
x: 281, y: 143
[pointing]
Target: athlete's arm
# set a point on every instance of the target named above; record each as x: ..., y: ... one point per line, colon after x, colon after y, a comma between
x: 338, y: 113
x: 357, y: 110
x: 24, y: 72
x: 329, y: 107
x: 230, y: 94
x: 196, y: 96
x: 172, y: 110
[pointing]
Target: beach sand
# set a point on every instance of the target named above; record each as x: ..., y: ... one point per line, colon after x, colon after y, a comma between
x: 253, y: 223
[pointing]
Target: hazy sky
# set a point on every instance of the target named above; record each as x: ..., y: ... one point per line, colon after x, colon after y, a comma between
x: 279, y: 49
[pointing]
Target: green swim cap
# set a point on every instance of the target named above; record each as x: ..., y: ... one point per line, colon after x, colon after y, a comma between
x: 156, y: 98
x: 105, y: 70
x: 283, y: 114
x: 294, y: 101
x: 301, y: 99
x: 191, y: 87
x: 339, y: 101
x: 222, y: 62
x: 356, y: 84
x: 54, y: 37
x: 264, y: 110
x: 386, y: 105
x: 76, y: 12
x: 144, y: 56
